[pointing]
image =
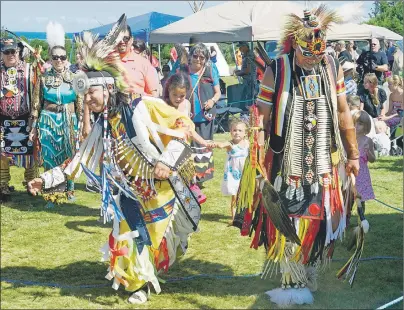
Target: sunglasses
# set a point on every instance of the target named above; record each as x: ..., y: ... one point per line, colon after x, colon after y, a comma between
x: 201, y: 58
x: 9, y: 52
x: 126, y: 38
x: 306, y: 53
x: 56, y: 57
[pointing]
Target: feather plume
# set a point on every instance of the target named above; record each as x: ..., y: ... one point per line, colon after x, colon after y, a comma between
x: 297, y: 27
x: 55, y: 34
x: 100, y: 55
x: 113, y: 37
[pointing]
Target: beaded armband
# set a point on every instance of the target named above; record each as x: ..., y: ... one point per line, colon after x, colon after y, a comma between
x: 340, y: 87
x: 265, y: 95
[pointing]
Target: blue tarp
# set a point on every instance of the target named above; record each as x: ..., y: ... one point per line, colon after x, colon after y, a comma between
x: 142, y: 25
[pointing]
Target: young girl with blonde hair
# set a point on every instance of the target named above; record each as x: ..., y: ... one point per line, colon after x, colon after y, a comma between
x: 366, y: 154
x: 237, y: 152
x: 396, y: 102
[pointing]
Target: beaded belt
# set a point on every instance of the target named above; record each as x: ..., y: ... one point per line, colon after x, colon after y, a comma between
x: 58, y: 108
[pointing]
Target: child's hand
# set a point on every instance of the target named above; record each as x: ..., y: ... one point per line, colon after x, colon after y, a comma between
x: 210, y: 144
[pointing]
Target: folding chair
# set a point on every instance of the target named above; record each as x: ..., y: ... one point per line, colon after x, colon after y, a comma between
x: 235, y: 104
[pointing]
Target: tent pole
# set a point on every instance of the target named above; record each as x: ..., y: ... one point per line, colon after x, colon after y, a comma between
x: 151, y: 53
x: 253, y: 84
x: 159, y: 56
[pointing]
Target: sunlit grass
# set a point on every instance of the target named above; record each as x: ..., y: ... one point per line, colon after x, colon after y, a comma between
x: 61, y: 245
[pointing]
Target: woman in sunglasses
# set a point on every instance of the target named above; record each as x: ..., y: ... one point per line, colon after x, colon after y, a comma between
x: 203, y: 97
x: 57, y: 110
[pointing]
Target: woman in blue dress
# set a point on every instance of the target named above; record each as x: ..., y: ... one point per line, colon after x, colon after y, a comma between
x: 59, y: 110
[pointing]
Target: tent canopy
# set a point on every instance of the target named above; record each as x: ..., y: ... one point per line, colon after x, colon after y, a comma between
x: 142, y: 25
x: 351, y: 31
x: 252, y: 21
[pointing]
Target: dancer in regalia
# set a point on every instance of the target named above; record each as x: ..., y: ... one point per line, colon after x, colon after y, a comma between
x: 16, y: 135
x: 303, y: 128
x: 146, y: 169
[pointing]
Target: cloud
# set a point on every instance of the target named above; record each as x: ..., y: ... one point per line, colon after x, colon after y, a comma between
x: 41, y: 20
x: 352, y: 12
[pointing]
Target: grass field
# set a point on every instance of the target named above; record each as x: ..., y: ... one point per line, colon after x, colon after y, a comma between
x: 61, y: 245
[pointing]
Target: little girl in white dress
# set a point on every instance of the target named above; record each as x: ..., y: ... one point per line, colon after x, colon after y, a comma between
x: 237, y: 152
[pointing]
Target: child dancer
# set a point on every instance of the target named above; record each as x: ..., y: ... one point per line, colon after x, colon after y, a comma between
x: 367, y: 154
x: 396, y: 102
x: 237, y: 152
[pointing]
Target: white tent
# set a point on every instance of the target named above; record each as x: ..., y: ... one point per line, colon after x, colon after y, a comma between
x: 252, y: 21
x: 228, y: 22
x: 351, y: 31
x: 221, y: 63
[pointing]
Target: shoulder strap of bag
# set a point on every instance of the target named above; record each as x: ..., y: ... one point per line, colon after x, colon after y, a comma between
x: 197, y: 82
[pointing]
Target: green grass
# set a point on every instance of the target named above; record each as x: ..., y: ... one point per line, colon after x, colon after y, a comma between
x: 61, y: 245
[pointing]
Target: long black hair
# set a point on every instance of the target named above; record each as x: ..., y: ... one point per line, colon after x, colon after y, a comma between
x: 178, y: 80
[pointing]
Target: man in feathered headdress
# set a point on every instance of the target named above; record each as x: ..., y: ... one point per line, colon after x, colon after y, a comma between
x: 16, y: 142
x: 139, y: 142
x: 302, y: 110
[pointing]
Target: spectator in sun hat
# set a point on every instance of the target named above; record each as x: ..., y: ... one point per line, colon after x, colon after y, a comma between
x: 350, y: 84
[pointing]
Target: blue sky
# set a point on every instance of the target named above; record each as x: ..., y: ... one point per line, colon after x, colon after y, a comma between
x: 80, y: 15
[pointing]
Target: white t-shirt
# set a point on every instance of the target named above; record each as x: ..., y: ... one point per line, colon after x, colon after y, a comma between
x: 382, y: 144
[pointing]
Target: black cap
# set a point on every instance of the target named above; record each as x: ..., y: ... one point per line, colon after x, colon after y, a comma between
x: 8, y: 44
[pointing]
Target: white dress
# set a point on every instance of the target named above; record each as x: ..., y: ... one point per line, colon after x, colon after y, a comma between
x: 233, y: 169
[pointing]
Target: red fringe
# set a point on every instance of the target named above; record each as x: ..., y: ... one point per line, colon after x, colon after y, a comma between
x: 164, y: 264
x: 307, y: 244
x: 246, y: 223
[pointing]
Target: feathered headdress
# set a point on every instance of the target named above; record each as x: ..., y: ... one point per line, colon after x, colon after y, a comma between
x: 55, y: 34
x: 310, y: 31
x: 101, y: 64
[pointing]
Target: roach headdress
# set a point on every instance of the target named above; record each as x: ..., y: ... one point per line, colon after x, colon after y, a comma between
x: 310, y: 31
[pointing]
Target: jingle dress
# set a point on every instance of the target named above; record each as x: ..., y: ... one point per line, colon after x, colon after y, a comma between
x: 60, y: 109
